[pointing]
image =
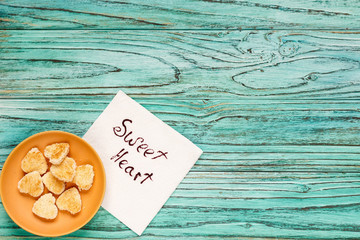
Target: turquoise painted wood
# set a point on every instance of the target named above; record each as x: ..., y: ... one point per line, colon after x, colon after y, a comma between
x: 182, y: 64
x: 268, y: 89
x: 183, y: 14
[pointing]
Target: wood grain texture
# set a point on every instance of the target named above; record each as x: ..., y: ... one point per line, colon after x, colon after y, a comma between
x: 307, y: 188
x: 269, y: 89
x: 218, y: 125
x: 256, y: 205
x: 184, y: 14
x: 184, y: 64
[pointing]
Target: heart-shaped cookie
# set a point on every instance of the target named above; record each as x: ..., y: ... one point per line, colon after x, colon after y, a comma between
x: 32, y: 184
x: 56, y: 152
x: 45, y: 207
x: 84, y: 177
x: 65, y: 171
x: 70, y: 200
x: 34, y: 160
x: 53, y: 184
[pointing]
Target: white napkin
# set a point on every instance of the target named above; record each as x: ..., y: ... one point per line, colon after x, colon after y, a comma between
x: 144, y: 160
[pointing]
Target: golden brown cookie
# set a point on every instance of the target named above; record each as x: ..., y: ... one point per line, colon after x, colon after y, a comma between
x: 53, y: 184
x: 45, y: 207
x: 70, y: 201
x: 31, y: 184
x: 84, y: 177
x: 65, y: 171
x: 56, y: 152
x: 34, y: 160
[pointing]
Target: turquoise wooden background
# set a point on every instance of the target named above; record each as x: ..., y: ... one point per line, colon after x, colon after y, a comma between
x: 269, y: 89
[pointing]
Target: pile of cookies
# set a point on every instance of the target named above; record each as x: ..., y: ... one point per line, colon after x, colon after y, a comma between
x: 63, y: 170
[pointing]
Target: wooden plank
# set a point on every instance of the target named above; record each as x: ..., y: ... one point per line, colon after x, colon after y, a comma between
x: 181, y: 64
x: 281, y: 156
x: 185, y: 14
x: 236, y: 135
x: 260, y: 205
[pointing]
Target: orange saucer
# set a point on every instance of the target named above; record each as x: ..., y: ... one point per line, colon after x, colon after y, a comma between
x: 19, y: 206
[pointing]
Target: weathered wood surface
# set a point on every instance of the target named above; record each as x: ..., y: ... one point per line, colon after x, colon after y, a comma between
x: 184, y: 14
x: 281, y: 168
x: 268, y: 89
x: 237, y: 135
x: 191, y: 64
x: 257, y: 205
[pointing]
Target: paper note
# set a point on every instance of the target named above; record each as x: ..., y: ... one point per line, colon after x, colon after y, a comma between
x: 144, y: 160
